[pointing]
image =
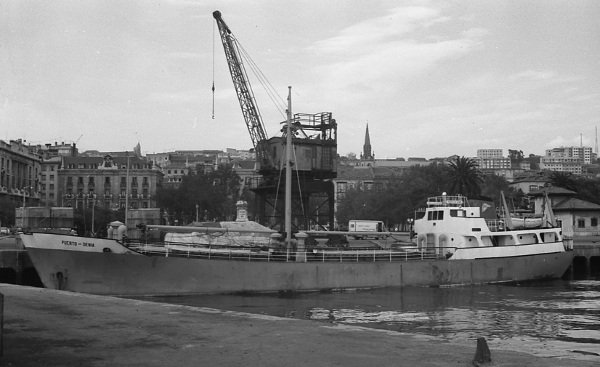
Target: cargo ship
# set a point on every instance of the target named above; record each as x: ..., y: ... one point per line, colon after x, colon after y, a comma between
x: 454, y: 245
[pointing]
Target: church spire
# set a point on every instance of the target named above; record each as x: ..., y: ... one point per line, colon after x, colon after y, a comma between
x: 367, y: 147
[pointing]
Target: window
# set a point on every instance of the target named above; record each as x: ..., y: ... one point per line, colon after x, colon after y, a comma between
x: 107, y: 180
x: 594, y: 222
x: 91, y: 182
x: 435, y: 215
x: 51, y: 187
x: 581, y: 223
x: 51, y: 177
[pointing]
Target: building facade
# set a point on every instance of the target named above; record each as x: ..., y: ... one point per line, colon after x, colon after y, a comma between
x: 490, y: 153
x: 586, y: 154
x: 562, y: 164
x: 20, y: 167
x: 108, y: 182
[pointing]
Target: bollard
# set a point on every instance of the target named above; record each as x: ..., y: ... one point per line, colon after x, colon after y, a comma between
x: 301, y: 248
x: 482, y: 354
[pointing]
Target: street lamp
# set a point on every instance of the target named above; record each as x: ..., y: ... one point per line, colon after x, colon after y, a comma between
x: 25, y: 188
x: 93, y: 211
x: 197, y: 213
x: 410, y: 224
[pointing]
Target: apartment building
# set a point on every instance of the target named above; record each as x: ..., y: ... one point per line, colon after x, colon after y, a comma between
x: 489, y: 153
x: 586, y: 154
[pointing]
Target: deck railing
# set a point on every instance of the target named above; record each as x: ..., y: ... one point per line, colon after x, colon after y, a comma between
x: 263, y: 253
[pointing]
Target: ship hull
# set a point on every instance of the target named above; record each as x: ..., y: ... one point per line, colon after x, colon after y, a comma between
x: 134, y: 274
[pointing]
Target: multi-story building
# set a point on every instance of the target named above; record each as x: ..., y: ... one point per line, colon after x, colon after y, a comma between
x: 492, y: 159
x: 490, y: 153
x: 178, y: 164
x: 562, y: 164
x: 109, y: 182
x: 49, y: 190
x: 493, y: 163
x: 19, y: 172
x: 584, y: 153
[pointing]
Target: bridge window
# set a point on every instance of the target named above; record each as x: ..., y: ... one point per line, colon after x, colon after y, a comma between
x: 435, y: 215
x: 457, y: 213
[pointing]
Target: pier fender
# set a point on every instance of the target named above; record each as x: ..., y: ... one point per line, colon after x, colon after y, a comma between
x: 61, y: 280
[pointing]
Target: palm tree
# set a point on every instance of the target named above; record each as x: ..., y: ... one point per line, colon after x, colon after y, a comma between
x: 564, y: 180
x: 464, y: 177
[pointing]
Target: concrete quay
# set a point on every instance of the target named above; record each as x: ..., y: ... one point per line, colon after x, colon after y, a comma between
x: 44, y: 327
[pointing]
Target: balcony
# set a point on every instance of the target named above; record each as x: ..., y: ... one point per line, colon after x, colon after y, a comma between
x: 107, y: 196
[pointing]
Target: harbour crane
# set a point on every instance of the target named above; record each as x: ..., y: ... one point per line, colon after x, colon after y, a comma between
x: 245, y: 95
x: 314, y: 139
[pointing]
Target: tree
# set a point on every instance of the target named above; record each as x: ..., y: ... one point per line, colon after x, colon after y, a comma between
x: 564, y: 180
x: 515, y: 155
x: 215, y: 192
x: 464, y: 177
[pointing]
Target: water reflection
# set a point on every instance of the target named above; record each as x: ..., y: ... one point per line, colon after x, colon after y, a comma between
x: 551, y: 318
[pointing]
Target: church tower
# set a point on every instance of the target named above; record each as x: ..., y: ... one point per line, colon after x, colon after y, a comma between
x: 367, y: 147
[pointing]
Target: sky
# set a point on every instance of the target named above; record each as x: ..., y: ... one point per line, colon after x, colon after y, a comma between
x: 430, y: 78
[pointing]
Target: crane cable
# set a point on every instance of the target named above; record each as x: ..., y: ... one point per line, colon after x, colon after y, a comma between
x: 213, y: 70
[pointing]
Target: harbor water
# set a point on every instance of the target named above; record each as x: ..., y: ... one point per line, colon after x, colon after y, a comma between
x: 559, y: 318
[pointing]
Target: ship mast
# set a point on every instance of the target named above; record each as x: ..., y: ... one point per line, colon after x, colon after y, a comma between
x: 288, y: 172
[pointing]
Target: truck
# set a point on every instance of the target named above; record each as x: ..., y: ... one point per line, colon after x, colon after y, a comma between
x: 363, y: 227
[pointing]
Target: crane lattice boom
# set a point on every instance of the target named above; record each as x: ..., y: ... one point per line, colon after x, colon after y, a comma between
x: 244, y: 93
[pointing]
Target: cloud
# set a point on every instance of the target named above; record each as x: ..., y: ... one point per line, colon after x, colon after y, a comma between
x: 376, y: 54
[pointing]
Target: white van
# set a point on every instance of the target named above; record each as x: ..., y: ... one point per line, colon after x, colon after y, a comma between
x: 362, y: 227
